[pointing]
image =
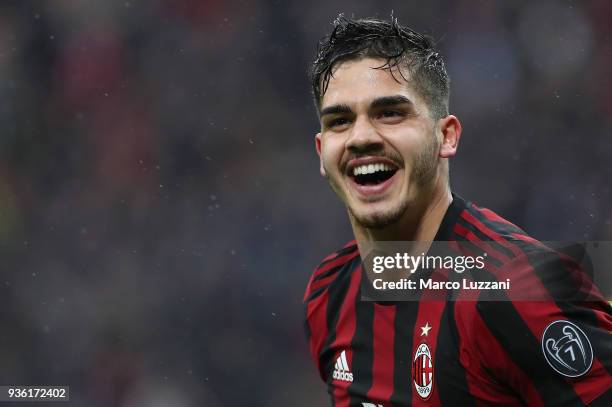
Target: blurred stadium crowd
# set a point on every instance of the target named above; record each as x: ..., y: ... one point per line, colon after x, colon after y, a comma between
x: 160, y: 203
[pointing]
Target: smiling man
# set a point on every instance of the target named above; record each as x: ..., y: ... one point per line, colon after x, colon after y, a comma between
x: 380, y: 145
x: 386, y: 135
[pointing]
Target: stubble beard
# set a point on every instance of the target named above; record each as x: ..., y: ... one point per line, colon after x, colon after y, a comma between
x: 379, y: 220
x: 424, y: 171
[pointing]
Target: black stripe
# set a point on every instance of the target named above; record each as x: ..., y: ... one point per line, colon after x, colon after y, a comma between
x: 405, y: 319
x: 362, y: 345
x: 316, y: 293
x: 329, y: 272
x: 524, y: 349
x: 495, y: 245
x: 450, y: 376
x: 336, y: 296
x: 306, y: 325
x: 578, y: 253
x: 553, y: 273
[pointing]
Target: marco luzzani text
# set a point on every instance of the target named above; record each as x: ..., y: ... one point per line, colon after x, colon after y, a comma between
x: 458, y: 264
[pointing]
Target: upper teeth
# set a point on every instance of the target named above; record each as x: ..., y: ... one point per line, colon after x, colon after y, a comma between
x: 371, y: 169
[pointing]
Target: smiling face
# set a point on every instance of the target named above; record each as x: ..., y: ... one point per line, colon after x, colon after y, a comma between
x: 379, y: 147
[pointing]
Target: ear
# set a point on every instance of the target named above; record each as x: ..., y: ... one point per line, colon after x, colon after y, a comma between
x: 318, y: 148
x: 450, y: 127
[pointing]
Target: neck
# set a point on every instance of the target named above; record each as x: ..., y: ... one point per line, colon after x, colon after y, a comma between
x: 420, y: 222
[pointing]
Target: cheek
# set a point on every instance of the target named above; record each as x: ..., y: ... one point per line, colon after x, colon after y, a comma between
x: 415, y: 144
x: 331, y: 153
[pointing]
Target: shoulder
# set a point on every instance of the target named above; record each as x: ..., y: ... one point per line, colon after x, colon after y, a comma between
x: 552, y: 301
x: 537, y: 270
x: 485, y: 224
x: 504, y: 242
x: 328, y: 269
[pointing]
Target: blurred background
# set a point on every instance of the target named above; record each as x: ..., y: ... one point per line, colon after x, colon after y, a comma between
x: 160, y: 203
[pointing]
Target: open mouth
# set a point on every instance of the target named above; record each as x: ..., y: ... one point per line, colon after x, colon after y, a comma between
x: 372, y: 174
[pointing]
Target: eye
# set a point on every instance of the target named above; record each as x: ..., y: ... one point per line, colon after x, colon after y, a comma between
x: 390, y: 113
x: 391, y: 116
x: 338, y: 122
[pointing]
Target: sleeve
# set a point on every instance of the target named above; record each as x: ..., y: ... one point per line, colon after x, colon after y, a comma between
x: 316, y: 299
x: 315, y: 318
x: 555, y: 351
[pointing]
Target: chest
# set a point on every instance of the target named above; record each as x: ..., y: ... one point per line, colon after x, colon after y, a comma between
x: 391, y: 354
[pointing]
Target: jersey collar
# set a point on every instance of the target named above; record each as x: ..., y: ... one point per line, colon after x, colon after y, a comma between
x: 445, y: 231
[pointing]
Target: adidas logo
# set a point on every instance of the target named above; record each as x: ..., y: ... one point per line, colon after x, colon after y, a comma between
x: 341, y: 370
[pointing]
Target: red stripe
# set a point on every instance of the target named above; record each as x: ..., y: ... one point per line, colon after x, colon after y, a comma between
x: 383, y: 347
x: 351, y: 243
x: 345, y: 330
x: 430, y: 311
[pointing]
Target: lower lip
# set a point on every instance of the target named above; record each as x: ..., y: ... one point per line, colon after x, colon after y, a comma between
x: 375, y: 189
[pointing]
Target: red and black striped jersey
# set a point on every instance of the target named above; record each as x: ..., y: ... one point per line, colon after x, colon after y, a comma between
x: 458, y: 353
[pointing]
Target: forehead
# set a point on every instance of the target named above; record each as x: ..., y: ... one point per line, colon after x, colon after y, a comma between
x: 358, y: 82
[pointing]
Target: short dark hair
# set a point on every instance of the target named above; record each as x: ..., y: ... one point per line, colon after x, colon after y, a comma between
x: 399, y: 46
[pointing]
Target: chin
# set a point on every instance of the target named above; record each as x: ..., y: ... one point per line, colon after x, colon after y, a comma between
x: 377, y: 219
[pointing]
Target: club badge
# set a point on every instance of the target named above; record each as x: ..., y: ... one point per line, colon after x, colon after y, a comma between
x: 567, y: 349
x: 422, y: 371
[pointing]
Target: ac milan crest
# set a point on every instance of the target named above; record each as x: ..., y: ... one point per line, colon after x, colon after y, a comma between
x: 423, y: 371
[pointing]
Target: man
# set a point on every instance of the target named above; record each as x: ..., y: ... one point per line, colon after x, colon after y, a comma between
x: 381, y: 91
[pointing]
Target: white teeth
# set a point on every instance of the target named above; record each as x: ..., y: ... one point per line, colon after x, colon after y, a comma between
x: 371, y: 169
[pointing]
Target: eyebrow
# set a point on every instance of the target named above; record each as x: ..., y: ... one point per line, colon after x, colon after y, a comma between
x: 384, y: 101
x: 387, y: 101
x: 335, y: 109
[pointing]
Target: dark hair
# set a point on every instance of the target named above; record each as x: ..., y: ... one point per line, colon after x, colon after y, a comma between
x: 399, y: 46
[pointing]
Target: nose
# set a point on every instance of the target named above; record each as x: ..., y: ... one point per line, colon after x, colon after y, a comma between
x: 363, y: 137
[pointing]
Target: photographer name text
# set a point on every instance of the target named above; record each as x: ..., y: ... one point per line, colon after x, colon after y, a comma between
x: 429, y: 284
